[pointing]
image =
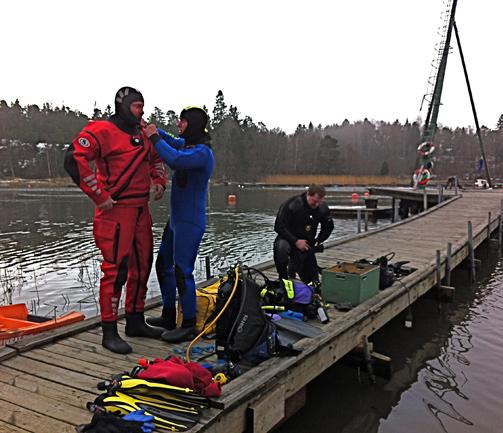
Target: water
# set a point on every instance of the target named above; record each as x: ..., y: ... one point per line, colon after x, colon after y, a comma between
x: 447, y: 368
x: 48, y: 258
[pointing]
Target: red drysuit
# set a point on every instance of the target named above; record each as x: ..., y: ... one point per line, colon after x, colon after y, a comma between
x: 126, y: 166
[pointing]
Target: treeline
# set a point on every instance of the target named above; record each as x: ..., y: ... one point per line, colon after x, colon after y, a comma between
x: 33, y: 141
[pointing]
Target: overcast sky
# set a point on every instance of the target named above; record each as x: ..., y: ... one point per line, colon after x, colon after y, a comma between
x: 281, y: 62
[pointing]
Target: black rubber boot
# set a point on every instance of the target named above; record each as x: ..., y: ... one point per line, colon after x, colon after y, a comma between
x: 136, y: 327
x: 166, y: 320
x: 187, y: 332
x: 112, y: 340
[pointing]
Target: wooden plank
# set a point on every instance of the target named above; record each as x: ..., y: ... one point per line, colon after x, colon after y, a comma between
x: 32, y: 421
x: 50, y: 372
x: 9, y: 428
x: 7, y: 352
x: 267, y: 411
x: 43, y: 405
x: 70, y: 364
x: 37, y: 385
x: 139, y: 350
x: 92, y: 357
x: 97, y: 348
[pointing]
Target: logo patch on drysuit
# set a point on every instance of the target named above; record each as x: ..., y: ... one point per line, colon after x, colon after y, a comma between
x: 307, y: 228
x: 84, y: 142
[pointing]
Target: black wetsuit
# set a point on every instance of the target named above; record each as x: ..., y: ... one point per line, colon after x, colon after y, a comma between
x: 297, y: 220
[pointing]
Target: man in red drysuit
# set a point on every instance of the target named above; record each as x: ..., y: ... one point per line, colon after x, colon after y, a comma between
x: 127, y: 168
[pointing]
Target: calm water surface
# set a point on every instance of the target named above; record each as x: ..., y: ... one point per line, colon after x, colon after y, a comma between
x: 48, y: 258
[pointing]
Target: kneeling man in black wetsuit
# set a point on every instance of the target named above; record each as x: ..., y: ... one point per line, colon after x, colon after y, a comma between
x: 296, y: 225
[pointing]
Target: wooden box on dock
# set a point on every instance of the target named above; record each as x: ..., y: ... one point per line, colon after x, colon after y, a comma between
x: 349, y: 282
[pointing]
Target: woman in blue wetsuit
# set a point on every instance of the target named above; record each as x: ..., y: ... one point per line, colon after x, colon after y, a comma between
x: 191, y: 159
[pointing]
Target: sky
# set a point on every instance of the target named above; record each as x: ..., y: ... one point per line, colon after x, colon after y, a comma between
x: 280, y: 62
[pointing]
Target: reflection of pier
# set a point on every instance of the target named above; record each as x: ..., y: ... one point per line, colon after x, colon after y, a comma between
x: 46, y: 380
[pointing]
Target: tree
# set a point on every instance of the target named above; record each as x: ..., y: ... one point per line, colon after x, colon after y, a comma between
x: 234, y: 114
x: 158, y: 118
x: 499, y: 125
x: 219, y: 111
x: 384, y: 169
x: 328, y: 155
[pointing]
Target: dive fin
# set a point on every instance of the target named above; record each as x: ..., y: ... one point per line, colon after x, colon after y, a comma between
x: 165, y: 416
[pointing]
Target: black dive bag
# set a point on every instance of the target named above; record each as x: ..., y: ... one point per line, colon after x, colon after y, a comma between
x: 244, y: 333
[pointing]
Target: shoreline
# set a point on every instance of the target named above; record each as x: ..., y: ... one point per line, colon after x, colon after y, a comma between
x: 66, y: 182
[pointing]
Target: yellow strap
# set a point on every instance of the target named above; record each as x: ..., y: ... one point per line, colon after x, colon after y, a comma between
x: 290, y: 292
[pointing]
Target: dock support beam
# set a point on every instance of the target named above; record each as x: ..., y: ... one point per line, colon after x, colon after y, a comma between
x: 425, y: 200
x: 393, y: 206
x: 448, y: 264
x: 359, y: 221
x: 445, y: 293
x: 471, y: 251
x: 368, y: 359
x: 455, y: 185
x: 366, y: 221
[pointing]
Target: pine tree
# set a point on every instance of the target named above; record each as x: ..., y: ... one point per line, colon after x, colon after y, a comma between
x: 328, y: 155
x: 219, y: 111
x: 499, y: 125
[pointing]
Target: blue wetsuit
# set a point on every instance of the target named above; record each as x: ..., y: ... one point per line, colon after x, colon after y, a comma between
x: 192, y: 167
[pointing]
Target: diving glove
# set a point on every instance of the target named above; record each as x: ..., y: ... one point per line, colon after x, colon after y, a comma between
x: 139, y: 416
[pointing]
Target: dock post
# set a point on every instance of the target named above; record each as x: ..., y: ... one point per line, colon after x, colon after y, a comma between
x: 395, y: 212
x: 471, y: 251
x: 208, y: 268
x: 359, y: 221
x: 368, y: 359
x: 448, y: 264
x: 393, y: 206
x: 366, y: 221
x: 500, y: 234
x: 455, y: 185
x: 439, y: 193
x: 425, y: 200
x: 437, y: 270
x: 489, y: 226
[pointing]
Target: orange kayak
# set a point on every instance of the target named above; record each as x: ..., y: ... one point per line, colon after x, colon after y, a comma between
x: 16, y: 322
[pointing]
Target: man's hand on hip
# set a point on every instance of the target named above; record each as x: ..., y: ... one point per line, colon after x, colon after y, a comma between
x: 107, y: 204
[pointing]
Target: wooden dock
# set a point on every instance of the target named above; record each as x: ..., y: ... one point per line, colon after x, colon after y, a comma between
x: 46, y: 381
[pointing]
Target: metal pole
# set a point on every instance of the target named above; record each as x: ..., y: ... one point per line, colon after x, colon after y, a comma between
x: 439, y: 193
x: 438, y: 274
x: 393, y: 205
x: 471, y: 251
x: 359, y: 220
x: 425, y: 200
x: 208, y: 268
x: 366, y: 221
x: 474, y: 111
x: 455, y: 185
x: 448, y: 264
x: 395, y: 211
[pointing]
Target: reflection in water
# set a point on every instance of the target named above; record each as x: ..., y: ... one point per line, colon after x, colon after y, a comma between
x: 48, y: 258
